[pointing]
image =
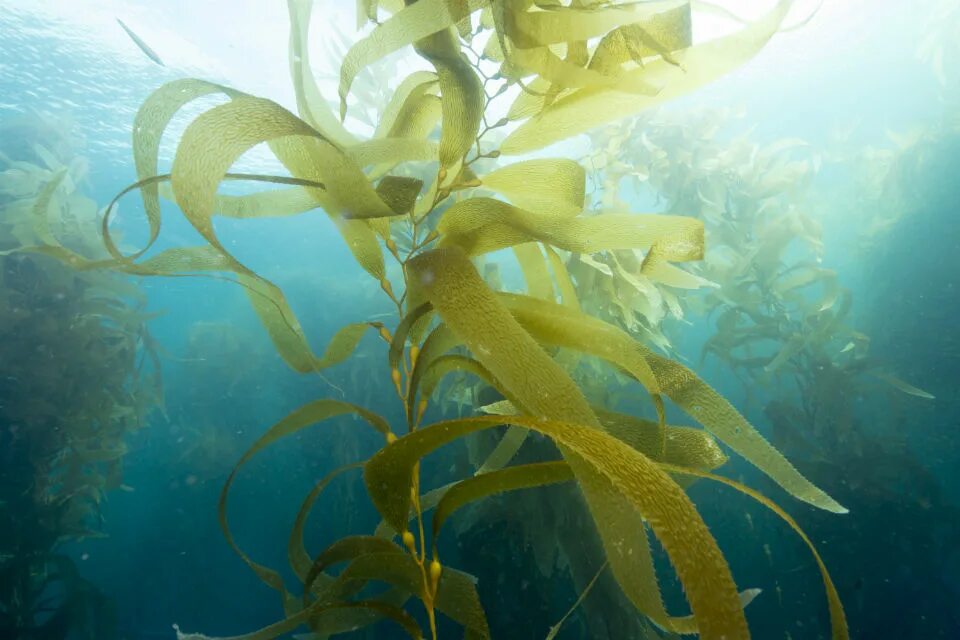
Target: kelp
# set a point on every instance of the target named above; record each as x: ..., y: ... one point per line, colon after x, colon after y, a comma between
x: 778, y: 309
x: 426, y: 193
x: 80, y: 375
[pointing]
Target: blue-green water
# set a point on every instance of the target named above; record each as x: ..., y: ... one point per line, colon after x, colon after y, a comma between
x: 895, y: 558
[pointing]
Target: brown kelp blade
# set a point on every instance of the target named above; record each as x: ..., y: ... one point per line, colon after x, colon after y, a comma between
x: 486, y: 327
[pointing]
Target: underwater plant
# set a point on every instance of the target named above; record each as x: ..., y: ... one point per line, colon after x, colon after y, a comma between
x: 784, y: 324
x: 74, y: 387
x: 780, y: 313
x: 566, y: 69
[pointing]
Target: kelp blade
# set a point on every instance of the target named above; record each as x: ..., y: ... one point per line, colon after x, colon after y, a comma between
x: 475, y: 314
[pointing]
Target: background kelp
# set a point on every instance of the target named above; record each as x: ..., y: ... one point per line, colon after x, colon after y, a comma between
x: 780, y: 314
x: 919, y: 195
x: 73, y: 387
x: 785, y: 325
x: 566, y: 69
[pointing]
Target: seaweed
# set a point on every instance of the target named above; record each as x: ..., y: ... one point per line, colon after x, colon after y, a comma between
x: 77, y: 382
x: 566, y: 69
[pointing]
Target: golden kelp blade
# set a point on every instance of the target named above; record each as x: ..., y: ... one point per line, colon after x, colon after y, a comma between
x: 482, y: 225
x: 589, y: 107
x: 218, y: 137
x: 664, y: 33
x: 149, y: 125
x: 404, y: 115
x: 630, y: 557
x: 700, y: 401
x: 541, y: 386
x: 462, y: 99
x: 549, y: 186
x: 685, y: 388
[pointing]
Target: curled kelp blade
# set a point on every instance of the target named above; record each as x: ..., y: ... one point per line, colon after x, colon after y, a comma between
x: 218, y: 137
x: 618, y: 485
x: 406, y: 114
x: 430, y: 367
x: 267, y: 299
x: 203, y: 155
x: 322, y: 614
x: 321, y: 586
x: 305, y: 416
x: 150, y: 123
x: 532, y: 42
x: 297, y: 555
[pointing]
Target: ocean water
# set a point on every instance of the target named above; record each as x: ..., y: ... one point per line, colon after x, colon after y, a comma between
x: 126, y: 400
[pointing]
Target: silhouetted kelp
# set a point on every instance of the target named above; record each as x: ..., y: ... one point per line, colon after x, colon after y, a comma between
x: 73, y: 388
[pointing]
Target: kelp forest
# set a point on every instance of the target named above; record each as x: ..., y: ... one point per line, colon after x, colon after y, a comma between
x: 502, y: 320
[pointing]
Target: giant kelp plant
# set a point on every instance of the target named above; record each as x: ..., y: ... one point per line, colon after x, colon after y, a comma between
x: 436, y: 206
x: 71, y: 389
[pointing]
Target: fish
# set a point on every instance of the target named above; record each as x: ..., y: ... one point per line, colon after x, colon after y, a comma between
x: 150, y: 53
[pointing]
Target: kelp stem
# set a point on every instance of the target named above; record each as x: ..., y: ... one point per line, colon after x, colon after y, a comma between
x: 429, y: 592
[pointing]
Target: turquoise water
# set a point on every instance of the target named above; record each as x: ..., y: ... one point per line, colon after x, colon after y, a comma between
x: 848, y: 84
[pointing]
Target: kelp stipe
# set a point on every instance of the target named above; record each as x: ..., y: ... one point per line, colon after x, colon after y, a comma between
x: 567, y: 69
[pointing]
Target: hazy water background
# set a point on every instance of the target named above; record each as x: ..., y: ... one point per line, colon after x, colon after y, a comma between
x: 165, y: 560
